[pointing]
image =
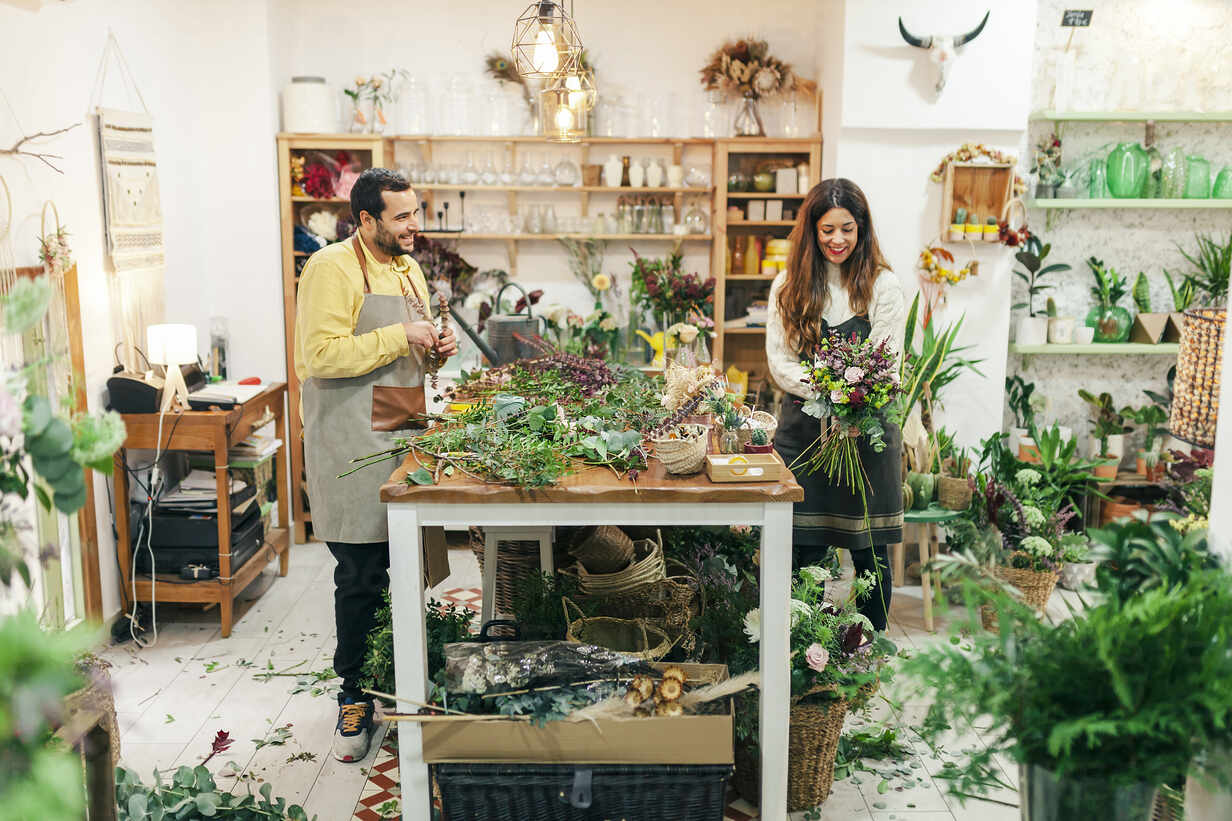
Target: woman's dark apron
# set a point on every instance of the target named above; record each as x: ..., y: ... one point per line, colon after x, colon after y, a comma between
x: 831, y: 514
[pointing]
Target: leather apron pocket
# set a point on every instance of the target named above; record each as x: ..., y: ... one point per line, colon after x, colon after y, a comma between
x: 397, y: 408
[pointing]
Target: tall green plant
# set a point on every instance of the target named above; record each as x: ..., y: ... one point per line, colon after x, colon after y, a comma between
x: 1109, y: 287
x: 1183, y: 294
x: 1213, y: 261
x: 1018, y: 393
x: 1105, y: 420
x: 1032, y: 259
x: 925, y: 373
x: 1137, y: 555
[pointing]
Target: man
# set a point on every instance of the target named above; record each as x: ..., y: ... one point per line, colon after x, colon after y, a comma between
x: 360, y: 344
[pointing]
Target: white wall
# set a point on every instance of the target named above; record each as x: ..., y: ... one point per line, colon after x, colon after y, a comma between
x: 203, y: 71
x: 892, y: 135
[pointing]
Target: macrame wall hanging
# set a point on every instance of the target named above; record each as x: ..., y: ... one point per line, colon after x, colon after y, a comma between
x: 132, y: 208
x: 9, y: 350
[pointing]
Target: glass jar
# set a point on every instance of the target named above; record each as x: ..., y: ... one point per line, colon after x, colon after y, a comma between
x: 1197, y: 178
x: 695, y: 220
x: 1112, y: 323
x: 545, y: 175
x: 1097, y: 182
x: 1172, y: 183
x: 489, y: 175
x: 729, y: 442
x: 567, y: 173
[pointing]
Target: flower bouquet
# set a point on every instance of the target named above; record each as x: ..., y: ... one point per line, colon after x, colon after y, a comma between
x: 855, y: 381
x: 662, y: 287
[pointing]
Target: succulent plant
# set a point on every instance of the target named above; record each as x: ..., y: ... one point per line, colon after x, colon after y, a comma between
x: 759, y: 437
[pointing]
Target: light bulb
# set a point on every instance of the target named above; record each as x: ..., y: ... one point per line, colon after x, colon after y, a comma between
x: 577, y: 97
x: 546, y: 58
x: 564, y: 118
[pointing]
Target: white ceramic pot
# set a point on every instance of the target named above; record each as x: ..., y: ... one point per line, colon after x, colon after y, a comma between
x: 1076, y: 576
x: 654, y: 175
x: 1016, y: 436
x: 1203, y: 805
x: 612, y: 171
x: 1061, y: 330
x: 1032, y: 330
x: 637, y: 175
x: 309, y: 106
x: 1066, y: 432
x: 1116, y: 446
x: 675, y: 176
x: 1084, y: 335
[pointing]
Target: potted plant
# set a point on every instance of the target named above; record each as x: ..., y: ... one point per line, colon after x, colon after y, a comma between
x: 1110, y: 321
x: 1213, y: 260
x: 1108, y: 429
x: 921, y: 477
x: 1033, y: 329
x: 1077, y: 566
x: 759, y: 442
x: 1047, y: 167
x: 1018, y: 395
x: 835, y: 659
x: 1153, y: 419
x: 1060, y: 328
x: 954, y: 483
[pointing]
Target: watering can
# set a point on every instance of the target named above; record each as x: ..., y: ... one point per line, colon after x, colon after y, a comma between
x: 656, y: 344
x: 504, y: 330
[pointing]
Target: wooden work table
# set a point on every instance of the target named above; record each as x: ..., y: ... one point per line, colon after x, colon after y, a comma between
x: 591, y: 496
x: 215, y: 431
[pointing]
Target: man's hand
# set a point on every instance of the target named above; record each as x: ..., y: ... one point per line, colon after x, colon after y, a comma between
x: 421, y: 333
x: 447, y: 343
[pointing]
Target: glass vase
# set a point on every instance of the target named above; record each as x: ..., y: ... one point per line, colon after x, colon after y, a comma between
x: 1127, y: 169
x: 1112, y: 323
x: 729, y: 442
x: 1197, y: 178
x: 748, y: 119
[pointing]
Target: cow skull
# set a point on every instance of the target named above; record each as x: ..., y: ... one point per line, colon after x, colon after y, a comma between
x: 942, y: 50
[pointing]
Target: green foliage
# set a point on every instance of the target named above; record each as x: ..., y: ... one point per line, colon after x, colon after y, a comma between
x: 554, y: 705
x: 1065, y: 475
x: 26, y: 303
x: 758, y: 437
x: 1105, y: 420
x: 1032, y: 259
x: 1152, y: 417
x: 925, y: 373
x: 878, y: 742
x: 37, y: 779
x: 1110, y: 287
x: 1183, y: 294
x: 1126, y: 692
x: 1137, y: 556
x: 1213, y: 260
x: 1142, y: 293
x: 192, y: 793
x: 538, y: 604
x: 445, y: 624
x: 1018, y: 393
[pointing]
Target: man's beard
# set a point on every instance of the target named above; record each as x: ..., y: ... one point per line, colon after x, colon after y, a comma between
x: 387, y: 242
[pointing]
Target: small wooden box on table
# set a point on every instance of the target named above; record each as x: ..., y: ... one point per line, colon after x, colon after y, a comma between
x: 215, y: 431
x: 591, y: 496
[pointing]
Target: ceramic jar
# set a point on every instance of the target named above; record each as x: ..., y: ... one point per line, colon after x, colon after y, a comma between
x: 675, y: 176
x: 1061, y: 330
x: 654, y: 175
x: 612, y: 171
x: 1032, y: 330
x: 1127, y: 168
x: 637, y: 176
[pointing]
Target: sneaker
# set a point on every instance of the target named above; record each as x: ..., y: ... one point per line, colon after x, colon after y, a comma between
x: 354, y: 730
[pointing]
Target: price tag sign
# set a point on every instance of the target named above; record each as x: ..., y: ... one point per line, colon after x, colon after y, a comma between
x: 1076, y: 18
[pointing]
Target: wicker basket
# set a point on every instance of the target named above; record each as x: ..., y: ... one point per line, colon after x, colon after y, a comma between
x: 517, y: 561
x: 647, y: 568
x: 1195, y: 403
x: 953, y: 493
x: 684, y: 456
x: 607, y: 550
x: 670, y: 603
x: 1036, y: 586
x: 812, y: 745
x: 988, y: 618
x: 635, y: 637
x: 756, y: 420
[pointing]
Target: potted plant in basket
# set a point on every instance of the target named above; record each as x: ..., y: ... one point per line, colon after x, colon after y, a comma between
x: 835, y: 658
x: 1108, y: 430
x: 1034, y: 329
x: 1111, y: 322
x: 954, y: 483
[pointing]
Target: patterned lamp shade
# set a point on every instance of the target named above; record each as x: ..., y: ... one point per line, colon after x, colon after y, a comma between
x: 1199, y: 368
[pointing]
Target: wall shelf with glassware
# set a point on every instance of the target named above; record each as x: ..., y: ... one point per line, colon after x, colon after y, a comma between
x: 762, y: 195
x: 1133, y: 116
x: 760, y: 223
x: 454, y: 138
x: 1109, y: 202
x: 552, y: 189
x: 545, y: 237
x: 1101, y: 349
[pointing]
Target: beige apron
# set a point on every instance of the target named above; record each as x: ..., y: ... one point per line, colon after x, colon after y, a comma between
x: 338, y: 422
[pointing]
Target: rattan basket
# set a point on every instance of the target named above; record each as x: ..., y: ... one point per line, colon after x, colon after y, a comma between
x: 635, y: 637
x: 1195, y: 402
x: 953, y: 493
x: 756, y: 420
x: 669, y: 603
x: 1036, y: 586
x: 517, y: 561
x: 812, y: 745
x: 647, y: 568
x: 607, y: 549
x: 684, y: 456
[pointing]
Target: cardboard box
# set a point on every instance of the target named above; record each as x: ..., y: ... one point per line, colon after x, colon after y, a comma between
x: 683, y: 740
x: 785, y: 181
x: 757, y: 210
x: 774, y: 210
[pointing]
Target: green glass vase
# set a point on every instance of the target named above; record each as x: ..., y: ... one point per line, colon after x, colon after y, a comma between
x: 1112, y: 323
x: 1127, y: 169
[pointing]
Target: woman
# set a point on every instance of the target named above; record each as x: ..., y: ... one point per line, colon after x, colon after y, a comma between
x: 837, y: 282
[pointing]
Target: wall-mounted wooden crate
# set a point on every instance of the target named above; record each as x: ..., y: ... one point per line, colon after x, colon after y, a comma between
x: 982, y: 188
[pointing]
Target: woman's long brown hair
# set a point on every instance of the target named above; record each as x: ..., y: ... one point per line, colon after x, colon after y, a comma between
x: 802, y: 299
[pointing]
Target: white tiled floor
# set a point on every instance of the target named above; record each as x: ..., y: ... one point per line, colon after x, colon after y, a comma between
x: 172, y: 698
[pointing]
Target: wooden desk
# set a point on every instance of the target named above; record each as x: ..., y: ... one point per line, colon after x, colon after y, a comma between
x: 216, y: 431
x: 593, y: 496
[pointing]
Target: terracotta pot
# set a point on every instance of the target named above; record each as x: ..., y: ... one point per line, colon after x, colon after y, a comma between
x: 1028, y: 451
x: 1150, y: 474
x: 1107, y: 469
x: 1115, y: 509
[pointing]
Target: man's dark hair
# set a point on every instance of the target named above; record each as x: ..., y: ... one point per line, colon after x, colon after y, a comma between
x: 366, y: 194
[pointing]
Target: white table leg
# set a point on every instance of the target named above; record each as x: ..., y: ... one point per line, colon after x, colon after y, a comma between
x: 490, y: 550
x: 775, y: 708
x: 547, y: 563
x: 410, y: 654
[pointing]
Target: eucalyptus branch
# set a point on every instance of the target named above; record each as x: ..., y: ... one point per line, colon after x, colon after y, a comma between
x: 17, y: 151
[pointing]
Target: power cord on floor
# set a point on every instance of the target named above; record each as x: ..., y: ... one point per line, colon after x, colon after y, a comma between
x: 155, y: 489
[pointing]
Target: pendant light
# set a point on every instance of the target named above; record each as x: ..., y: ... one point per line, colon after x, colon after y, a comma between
x: 545, y: 41
x: 562, y: 108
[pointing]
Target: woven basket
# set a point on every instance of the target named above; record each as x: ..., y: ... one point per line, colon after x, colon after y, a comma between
x: 635, y: 637
x: 752, y: 421
x: 988, y: 618
x: 683, y: 456
x: 1195, y: 402
x: 1036, y: 587
x: 517, y: 561
x: 812, y: 745
x: 670, y: 603
x: 647, y: 568
x: 606, y: 550
x: 953, y: 493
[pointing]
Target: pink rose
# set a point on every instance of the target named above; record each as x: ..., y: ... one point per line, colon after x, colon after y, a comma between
x: 853, y: 375
x: 817, y: 657
x: 837, y: 397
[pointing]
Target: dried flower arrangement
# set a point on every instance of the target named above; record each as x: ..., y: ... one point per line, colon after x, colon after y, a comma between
x: 747, y: 69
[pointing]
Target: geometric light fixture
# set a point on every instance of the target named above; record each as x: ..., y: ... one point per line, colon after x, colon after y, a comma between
x: 545, y: 41
x: 563, y: 109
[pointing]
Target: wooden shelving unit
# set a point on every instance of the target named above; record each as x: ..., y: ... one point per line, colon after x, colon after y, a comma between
x: 741, y: 346
x: 370, y: 150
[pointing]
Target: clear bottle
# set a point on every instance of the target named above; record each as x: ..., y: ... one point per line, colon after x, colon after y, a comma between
x: 507, y: 175
x: 545, y: 175
x: 729, y: 442
x: 526, y: 175
x: 489, y: 176
x: 470, y: 172
x: 549, y: 219
x: 220, y: 339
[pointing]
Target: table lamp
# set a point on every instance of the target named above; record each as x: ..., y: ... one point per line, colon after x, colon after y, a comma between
x: 172, y: 346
